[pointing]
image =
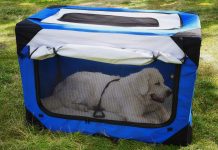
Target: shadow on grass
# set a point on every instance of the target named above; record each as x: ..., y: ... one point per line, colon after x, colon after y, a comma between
x: 205, y: 104
x: 206, y: 86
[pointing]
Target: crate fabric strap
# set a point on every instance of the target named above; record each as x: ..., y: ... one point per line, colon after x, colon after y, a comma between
x: 98, y: 110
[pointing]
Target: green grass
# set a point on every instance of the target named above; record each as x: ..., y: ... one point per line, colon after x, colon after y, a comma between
x: 14, y: 134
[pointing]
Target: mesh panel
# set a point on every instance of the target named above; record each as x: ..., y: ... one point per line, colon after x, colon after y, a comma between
x: 109, y: 20
x: 135, y: 94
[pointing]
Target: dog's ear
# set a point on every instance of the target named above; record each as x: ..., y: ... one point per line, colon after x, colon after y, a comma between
x: 143, y: 78
x: 142, y: 83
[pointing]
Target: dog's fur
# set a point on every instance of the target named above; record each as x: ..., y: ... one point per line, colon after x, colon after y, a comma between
x: 138, y: 97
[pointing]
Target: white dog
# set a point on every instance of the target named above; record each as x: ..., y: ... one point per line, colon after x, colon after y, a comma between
x: 134, y: 98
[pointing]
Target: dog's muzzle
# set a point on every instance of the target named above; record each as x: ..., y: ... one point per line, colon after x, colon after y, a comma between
x: 156, y: 98
x: 160, y: 99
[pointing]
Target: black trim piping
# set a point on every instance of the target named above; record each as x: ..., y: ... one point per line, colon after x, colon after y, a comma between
x: 30, y: 54
x: 124, y: 123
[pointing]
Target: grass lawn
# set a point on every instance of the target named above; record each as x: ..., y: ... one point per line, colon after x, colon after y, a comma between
x: 14, y: 134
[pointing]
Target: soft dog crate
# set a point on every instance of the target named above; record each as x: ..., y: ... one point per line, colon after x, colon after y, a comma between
x: 121, y: 73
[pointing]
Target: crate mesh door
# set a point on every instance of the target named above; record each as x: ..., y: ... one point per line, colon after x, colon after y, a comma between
x: 129, y: 94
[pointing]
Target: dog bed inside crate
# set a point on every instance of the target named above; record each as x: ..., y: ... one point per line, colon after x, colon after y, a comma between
x: 118, y: 72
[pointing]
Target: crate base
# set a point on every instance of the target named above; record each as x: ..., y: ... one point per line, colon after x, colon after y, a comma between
x: 182, y: 138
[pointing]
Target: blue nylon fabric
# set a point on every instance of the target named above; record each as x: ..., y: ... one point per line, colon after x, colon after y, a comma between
x: 190, y: 21
x: 24, y: 52
x: 44, y: 14
x: 153, y: 135
x: 190, y: 117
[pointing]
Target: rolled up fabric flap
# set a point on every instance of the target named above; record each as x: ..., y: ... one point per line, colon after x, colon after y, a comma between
x: 103, y: 54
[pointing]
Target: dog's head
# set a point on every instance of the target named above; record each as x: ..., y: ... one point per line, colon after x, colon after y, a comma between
x: 152, y: 85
